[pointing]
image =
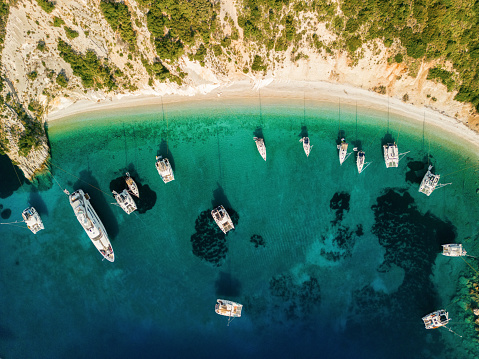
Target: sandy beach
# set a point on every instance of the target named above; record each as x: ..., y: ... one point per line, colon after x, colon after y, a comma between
x: 276, y: 91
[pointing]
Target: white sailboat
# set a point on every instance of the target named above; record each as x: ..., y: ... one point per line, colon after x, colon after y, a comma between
x: 32, y: 219
x: 430, y: 182
x: 343, y: 151
x: 228, y: 309
x: 164, y: 169
x: 392, y: 155
x: 306, y: 145
x: 261, y: 146
x: 453, y: 250
x: 361, y: 161
x: 132, y: 185
x: 125, y: 201
x: 222, y: 219
x: 436, y: 319
x: 91, y: 223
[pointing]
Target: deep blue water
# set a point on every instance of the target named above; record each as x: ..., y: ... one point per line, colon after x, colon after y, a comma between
x: 328, y: 263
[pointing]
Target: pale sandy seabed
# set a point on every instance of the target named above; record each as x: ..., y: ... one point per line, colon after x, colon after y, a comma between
x: 278, y: 92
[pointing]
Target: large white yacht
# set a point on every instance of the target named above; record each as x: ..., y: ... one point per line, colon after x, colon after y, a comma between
x: 261, y: 146
x: 430, y: 182
x: 343, y: 151
x: 453, y: 250
x: 222, y: 219
x: 228, y: 309
x: 164, y: 169
x: 91, y: 223
x: 436, y: 319
x: 132, y: 185
x: 306, y: 145
x: 125, y: 201
x: 32, y: 220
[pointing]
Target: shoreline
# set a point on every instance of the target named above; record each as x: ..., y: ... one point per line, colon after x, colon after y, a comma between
x: 269, y: 89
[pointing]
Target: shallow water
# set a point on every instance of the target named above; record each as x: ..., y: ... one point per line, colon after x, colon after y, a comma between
x: 327, y: 262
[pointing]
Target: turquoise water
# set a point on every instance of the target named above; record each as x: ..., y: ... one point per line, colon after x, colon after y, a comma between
x: 344, y: 264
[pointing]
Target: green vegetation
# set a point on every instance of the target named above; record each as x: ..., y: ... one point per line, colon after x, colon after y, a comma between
x: 92, y: 71
x: 58, y: 22
x: 440, y: 29
x: 47, y: 6
x: 442, y: 76
x: 41, y: 46
x: 258, y: 64
x: 62, y: 79
x: 32, y: 75
x: 174, y: 24
x: 71, y: 34
x: 119, y: 17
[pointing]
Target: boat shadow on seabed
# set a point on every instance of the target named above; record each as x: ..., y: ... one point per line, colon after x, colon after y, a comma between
x: 164, y: 151
x: 90, y: 185
x: 147, y: 198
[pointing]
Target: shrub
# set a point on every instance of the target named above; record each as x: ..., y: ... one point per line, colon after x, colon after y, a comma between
x: 32, y: 75
x: 62, y: 79
x: 47, y: 6
x: 119, y: 18
x: 58, y: 22
x: 41, y: 46
x: 71, y: 34
x: 258, y: 64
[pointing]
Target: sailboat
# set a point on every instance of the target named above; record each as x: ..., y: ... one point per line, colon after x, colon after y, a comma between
x: 343, y: 151
x: 306, y: 145
x: 391, y: 155
x: 453, y: 250
x: 261, y: 146
x: 32, y: 220
x: 228, y: 309
x: 132, y: 185
x: 125, y: 201
x: 222, y: 219
x: 430, y: 182
x: 164, y: 169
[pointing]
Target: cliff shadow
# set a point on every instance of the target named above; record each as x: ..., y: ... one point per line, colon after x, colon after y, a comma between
x: 358, y: 145
x: 417, y: 170
x: 164, y: 151
x: 147, y: 198
x: 37, y: 201
x: 388, y: 138
x: 227, y: 286
x: 9, y: 182
x: 100, y: 203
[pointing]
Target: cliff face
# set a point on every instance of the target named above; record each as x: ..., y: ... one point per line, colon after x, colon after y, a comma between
x: 40, y: 80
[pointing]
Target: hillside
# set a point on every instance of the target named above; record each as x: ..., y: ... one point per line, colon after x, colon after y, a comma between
x: 56, y: 53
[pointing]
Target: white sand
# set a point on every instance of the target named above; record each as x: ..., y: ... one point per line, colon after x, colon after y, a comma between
x: 275, y: 90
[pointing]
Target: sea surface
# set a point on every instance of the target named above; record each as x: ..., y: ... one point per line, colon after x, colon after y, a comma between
x: 328, y: 263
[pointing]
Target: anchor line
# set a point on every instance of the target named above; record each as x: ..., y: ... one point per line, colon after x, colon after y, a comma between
x: 470, y: 266
x: 71, y: 174
x: 16, y: 174
x: 466, y: 168
x: 12, y: 224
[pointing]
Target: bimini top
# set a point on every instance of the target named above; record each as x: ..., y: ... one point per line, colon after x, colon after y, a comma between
x: 436, y: 319
x: 222, y: 219
x: 164, y: 169
x: 453, y: 250
x: 32, y: 220
x: 391, y: 155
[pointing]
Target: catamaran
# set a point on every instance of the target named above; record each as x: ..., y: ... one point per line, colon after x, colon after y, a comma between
x: 164, y: 169
x: 306, y: 145
x: 436, y: 319
x: 91, y: 223
x: 222, y: 219
x: 132, y: 185
x: 430, y: 182
x: 261, y: 146
x: 453, y: 250
x: 392, y: 156
x: 228, y: 309
x: 32, y: 219
x: 125, y: 201
x: 343, y: 151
